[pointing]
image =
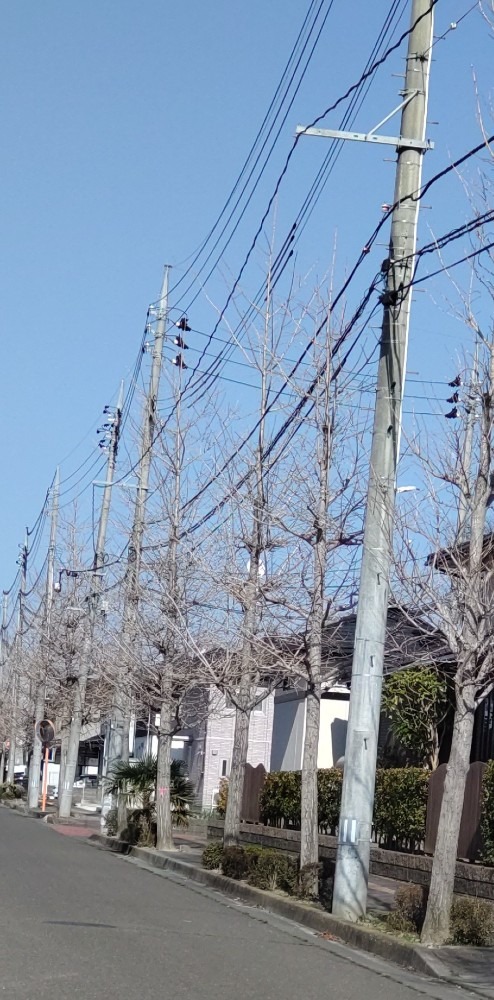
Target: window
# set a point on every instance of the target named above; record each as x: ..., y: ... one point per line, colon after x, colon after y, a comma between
x: 224, y: 768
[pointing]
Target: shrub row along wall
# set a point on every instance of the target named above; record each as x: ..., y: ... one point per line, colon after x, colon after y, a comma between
x: 399, y: 809
x: 471, y: 880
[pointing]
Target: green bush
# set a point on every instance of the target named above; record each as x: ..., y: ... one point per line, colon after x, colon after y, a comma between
x: 400, y: 805
x: 272, y: 870
x: 472, y: 922
x: 408, y: 913
x: 280, y: 798
x: 399, y: 812
x: 10, y: 791
x: 141, y: 828
x: 269, y: 869
x: 111, y: 822
x: 324, y: 871
x: 222, y: 798
x: 237, y: 862
x: 487, y: 821
x: 329, y: 782
x: 212, y: 855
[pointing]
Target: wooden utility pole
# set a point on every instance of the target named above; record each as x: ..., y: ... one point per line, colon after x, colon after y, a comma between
x: 118, y: 737
x: 355, y: 826
x: 66, y: 790
x: 17, y: 661
x: 40, y: 697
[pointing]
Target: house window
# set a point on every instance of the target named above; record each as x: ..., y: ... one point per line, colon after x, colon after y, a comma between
x: 261, y: 707
x: 224, y: 768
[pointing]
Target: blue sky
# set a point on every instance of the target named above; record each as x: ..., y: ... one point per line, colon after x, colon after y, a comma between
x: 124, y: 126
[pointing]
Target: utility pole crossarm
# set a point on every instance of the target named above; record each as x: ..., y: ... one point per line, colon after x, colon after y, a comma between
x: 401, y: 142
x: 388, y: 140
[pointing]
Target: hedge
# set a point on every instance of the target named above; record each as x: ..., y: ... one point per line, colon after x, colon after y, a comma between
x: 487, y: 822
x: 280, y: 798
x: 399, y: 811
x: 400, y: 805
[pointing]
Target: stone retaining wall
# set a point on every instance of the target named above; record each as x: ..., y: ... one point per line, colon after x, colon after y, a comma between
x: 471, y: 879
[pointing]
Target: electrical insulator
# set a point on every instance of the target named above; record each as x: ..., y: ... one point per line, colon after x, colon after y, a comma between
x: 183, y: 324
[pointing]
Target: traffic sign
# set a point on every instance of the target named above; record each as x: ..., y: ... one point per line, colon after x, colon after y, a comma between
x: 45, y: 731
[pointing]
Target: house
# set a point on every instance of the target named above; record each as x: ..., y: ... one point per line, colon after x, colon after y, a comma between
x: 408, y: 643
x: 206, y: 743
x: 289, y: 727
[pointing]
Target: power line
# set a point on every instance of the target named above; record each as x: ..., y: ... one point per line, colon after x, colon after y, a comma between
x: 364, y: 76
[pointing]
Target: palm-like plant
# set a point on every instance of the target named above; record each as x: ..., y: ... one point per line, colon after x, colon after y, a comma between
x: 138, y: 781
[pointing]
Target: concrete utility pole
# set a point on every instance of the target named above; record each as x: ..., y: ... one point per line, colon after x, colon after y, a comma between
x: 3, y: 658
x: 17, y: 662
x: 164, y: 837
x: 3, y: 634
x: 65, y: 792
x: 355, y: 827
x: 118, y: 737
x: 39, y: 706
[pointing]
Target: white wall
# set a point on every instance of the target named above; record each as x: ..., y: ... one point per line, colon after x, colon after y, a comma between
x: 288, y: 732
x: 332, y: 733
x: 289, y: 729
x: 218, y: 745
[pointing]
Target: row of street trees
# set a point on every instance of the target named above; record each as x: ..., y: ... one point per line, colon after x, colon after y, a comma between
x: 251, y: 551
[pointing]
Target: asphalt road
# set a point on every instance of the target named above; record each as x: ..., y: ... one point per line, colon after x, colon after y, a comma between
x: 77, y: 923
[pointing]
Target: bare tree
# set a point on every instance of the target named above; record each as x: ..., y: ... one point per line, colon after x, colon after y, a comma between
x: 454, y: 590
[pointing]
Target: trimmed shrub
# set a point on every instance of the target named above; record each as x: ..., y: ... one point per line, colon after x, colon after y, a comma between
x: 329, y: 782
x: 273, y: 870
x: 400, y: 805
x: 280, y: 799
x: 212, y: 855
x: 409, y: 909
x: 472, y: 922
x: 141, y: 828
x: 222, y: 798
x: 324, y: 871
x: 10, y: 791
x: 268, y: 869
x: 487, y: 821
x: 237, y: 862
x: 111, y: 822
x: 399, y: 811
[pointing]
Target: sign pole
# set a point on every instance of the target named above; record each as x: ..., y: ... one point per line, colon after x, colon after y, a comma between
x: 45, y: 777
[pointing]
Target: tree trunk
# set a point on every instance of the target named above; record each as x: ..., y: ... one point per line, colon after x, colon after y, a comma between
x: 74, y: 739
x: 2, y: 764
x: 35, y: 765
x: 64, y: 743
x: 164, y: 838
x: 12, y: 737
x: 309, y: 828
x: 124, y: 756
x: 236, y: 780
x: 436, y: 927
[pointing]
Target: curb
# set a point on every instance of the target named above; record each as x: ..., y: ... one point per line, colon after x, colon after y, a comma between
x: 406, y: 955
